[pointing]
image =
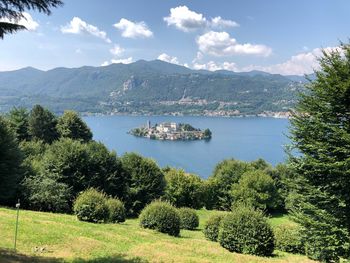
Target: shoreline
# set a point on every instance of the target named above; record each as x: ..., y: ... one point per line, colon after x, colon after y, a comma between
x: 276, y: 115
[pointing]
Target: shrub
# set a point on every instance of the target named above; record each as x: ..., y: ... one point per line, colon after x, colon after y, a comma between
x: 189, y: 218
x: 161, y: 216
x: 211, y: 227
x: 246, y: 231
x: 289, y: 239
x: 116, y: 210
x: 91, y: 206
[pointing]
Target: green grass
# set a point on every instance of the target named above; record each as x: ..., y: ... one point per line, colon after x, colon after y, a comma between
x: 48, y: 237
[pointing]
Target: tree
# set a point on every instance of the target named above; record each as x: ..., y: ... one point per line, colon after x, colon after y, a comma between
x: 81, y: 166
x: 18, y: 121
x: 70, y: 125
x: 226, y: 173
x: 207, y: 133
x: 11, y: 12
x: 321, y: 133
x: 42, y: 124
x: 183, y: 189
x: 46, y: 193
x: 256, y: 189
x: 145, y: 181
x: 10, y: 164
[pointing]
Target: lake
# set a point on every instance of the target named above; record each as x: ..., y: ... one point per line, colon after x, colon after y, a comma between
x: 240, y: 138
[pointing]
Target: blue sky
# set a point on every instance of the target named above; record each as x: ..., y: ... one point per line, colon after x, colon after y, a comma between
x: 275, y: 36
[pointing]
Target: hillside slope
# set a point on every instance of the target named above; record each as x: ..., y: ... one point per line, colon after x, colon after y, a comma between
x: 47, y: 237
x: 147, y: 87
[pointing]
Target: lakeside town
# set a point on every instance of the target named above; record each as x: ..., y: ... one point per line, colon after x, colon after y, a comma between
x: 171, y: 131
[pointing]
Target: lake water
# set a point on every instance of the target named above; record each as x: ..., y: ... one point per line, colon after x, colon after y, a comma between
x: 240, y: 138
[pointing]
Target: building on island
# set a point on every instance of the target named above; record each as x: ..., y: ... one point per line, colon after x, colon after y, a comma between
x: 168, y: 127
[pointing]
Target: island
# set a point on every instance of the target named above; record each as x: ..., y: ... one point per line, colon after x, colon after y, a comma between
x: 171, y: 131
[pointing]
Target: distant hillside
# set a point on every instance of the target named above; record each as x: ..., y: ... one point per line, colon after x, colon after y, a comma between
x: 148, y: 87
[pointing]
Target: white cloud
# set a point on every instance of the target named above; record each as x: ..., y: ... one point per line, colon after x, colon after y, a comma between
x: 300, y: 64
x: 218, y: 22
x: 187, y: 20
x: 221, y: 44
x: 133, y: 29
x: 184, y: 19
x: 123, y: 60
x: 213, y: 66
x: 117, y: 50
x: 169, y: 59
x: 117, y: 61
x: 78, y: 26
x: 27, y: 21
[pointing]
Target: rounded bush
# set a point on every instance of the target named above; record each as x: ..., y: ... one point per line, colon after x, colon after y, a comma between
x: 188, y: 218
x: 246, y: 231
x: 161, y: 216
x: 116, y: 210
x: 288, y: 239
x: 211, y: 227
x: 91, y: 206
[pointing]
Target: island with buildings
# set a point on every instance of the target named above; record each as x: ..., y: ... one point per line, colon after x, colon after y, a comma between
x: 171, y: 131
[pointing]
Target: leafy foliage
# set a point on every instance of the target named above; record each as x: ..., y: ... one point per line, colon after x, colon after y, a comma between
x: 46, y: 193
x: 116, y: 210
x: 161, y: 216
x: 211, y: 227
x: 91, y: 206
x: 10, y: 164
x: 13, y: 10
x: 42, y: 124
x: 18, y: 121
x: 145, y: 181
x: 183, y: 189
x: 246, y: 231
x: 226, y: 173
x: 189, y: 218
x: 256, y: 189
x: 70, y: 125
x: 289, y: 239
x: 321, y: 133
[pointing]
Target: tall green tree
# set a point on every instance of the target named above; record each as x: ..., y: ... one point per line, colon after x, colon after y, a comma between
x: 145, y: 181
x: 10, y: 164
x: 42, y: 124
x: 321, y: 133
x: 226, y: 173
x: 11, y: 12
x: 18, y: 120
x: 183, y: 189
x: 70, y: 125
x: 256, y: 189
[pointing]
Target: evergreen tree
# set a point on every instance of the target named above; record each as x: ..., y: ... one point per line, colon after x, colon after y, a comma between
x: 18, y: 120
x: 70, y: 125
x: 10, y: 164
x: 11, y: 11
x: 321, y: 133
x: 42, y: 124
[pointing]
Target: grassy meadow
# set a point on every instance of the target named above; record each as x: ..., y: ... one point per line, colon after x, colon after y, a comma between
x: 48, y: 237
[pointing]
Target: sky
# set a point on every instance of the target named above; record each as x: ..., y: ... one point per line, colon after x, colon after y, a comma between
x: 283, y: 37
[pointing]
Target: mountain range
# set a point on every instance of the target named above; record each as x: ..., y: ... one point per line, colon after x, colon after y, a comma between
x: 149, y: 87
